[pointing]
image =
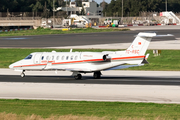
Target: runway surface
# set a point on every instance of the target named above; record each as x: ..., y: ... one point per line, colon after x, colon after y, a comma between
x: 78, y: 39
x: 116, y: 77
x: 118, y: 80
x: 126, y: 86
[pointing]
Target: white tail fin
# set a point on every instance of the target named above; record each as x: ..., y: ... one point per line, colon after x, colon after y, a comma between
x: 140, y: 43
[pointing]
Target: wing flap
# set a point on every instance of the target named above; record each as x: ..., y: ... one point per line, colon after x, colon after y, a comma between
x: 123, y: 67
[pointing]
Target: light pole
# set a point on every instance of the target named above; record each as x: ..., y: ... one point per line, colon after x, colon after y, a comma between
x: 66, y: 8
x: 122, y: 11
x: 166, y: 5
x: 53, y: 14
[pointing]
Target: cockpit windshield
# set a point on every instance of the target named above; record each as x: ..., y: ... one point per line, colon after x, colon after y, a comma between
x: 28, y: 57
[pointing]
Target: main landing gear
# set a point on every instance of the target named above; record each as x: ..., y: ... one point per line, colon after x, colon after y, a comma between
x: 97, y: 75
x: 78, y: 76
x: 23, y: 74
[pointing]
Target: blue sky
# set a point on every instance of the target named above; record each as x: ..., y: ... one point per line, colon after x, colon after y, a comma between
x: 99, y: 1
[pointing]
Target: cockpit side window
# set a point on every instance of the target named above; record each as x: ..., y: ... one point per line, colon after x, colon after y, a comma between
x: 28, y: 57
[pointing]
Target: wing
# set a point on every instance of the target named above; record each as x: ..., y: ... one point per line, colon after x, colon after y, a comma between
x: 78, y: 69
x: 123, y: 67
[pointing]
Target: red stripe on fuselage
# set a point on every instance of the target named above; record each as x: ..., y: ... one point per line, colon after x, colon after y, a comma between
x: 92, y: 60
x: 128, y: 57
x: 30, y: 65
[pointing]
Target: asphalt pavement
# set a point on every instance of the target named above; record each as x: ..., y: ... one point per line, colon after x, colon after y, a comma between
x: 116, y: 77
x: 78, y: 39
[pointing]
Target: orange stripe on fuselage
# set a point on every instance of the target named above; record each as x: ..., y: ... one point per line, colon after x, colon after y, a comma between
x: 30, y: 65
x: 92, y: 60
x: 128, y: 57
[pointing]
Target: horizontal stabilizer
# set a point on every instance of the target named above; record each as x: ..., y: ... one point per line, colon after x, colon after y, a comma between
x: 168, y: 35
x: 153, y: 35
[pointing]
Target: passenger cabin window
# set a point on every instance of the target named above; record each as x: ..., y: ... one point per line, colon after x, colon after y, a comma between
x: 42, y: 57
x: 71, y: 57
x: 62, y: 58
x: 52, y: 57
x: 67, y: 57
x: 28, y: 57
x: 76, y: 57
x: 47, y: 58
x: 57, y: 58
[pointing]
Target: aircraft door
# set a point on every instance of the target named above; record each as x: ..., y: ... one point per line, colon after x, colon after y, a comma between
x: 37, y: 58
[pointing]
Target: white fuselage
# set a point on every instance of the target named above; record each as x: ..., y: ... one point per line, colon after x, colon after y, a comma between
x: 86, y: 62
x: 76, y: 61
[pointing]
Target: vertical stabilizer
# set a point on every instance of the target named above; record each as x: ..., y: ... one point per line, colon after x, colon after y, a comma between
x: 140, y: 44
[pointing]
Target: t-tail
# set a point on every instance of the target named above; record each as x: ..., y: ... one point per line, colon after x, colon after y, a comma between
x: 141, y: 43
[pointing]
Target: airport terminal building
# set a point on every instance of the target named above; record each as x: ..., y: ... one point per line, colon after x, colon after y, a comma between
x: 90, y: 8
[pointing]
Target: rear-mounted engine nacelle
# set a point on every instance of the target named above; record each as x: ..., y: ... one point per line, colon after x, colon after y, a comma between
x: 106, y: 58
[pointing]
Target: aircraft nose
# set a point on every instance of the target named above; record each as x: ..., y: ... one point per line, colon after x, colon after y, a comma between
x: 11, y: 66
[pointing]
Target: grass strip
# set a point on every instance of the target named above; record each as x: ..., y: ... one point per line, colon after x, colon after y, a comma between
x: 10, y: 116
x: 42, y: 31
x: 169, y: 60
x: 106, y: 110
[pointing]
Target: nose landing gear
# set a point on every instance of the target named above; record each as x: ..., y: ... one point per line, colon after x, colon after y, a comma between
x: 23, y: 74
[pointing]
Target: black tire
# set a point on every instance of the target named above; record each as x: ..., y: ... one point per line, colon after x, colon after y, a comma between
x: 78, y: 76
x: 97, y: 75
x: 22, y: 75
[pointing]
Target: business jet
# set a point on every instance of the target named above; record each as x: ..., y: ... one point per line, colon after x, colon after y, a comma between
x: 88, y: 62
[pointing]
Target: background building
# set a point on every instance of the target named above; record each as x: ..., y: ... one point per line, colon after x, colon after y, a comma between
x: 88, y: 8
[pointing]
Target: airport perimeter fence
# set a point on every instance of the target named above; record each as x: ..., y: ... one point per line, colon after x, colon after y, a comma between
x: 145, y: 18
x: 129, y: 20
x: 32, y: 14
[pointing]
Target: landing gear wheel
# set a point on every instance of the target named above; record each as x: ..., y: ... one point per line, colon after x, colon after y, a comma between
x: 78, y: 76
x: 22, y: 75
x: 97, y: 75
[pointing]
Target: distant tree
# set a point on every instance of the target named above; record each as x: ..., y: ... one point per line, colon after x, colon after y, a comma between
x: 3, y: 6
x: 82, y: 11
x: 104, y: 5
x: 38, y: 7
x: 114, y: 8
x: 79, y: 3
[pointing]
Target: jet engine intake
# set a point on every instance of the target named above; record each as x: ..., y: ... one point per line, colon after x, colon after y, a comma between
x: 106, y: 58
